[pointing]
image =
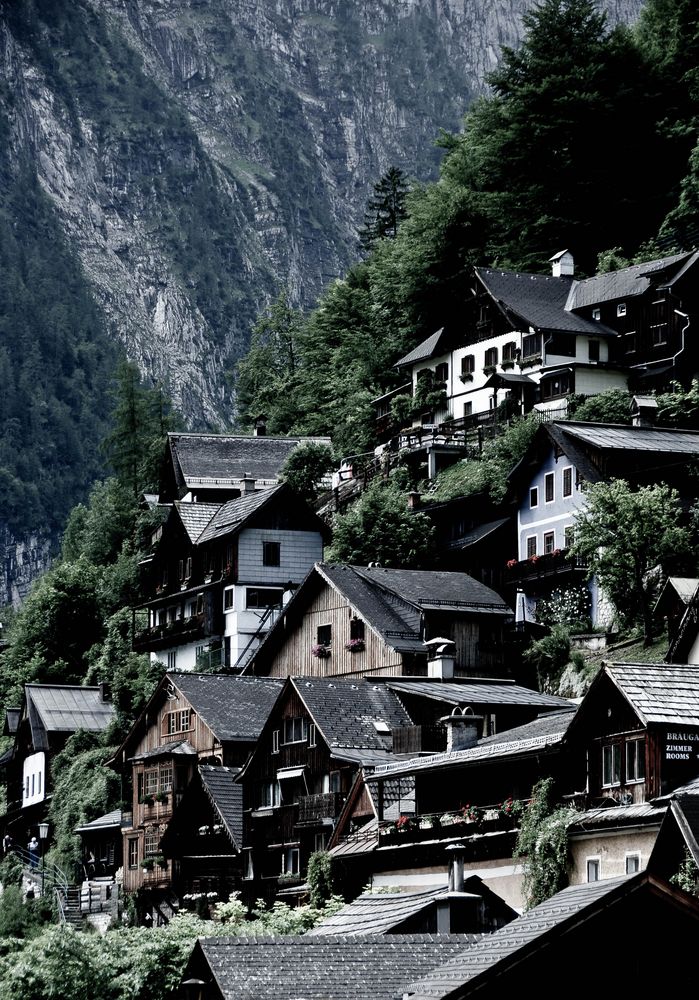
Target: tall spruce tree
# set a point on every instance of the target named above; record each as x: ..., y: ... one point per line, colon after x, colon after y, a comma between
x: 385, y: 209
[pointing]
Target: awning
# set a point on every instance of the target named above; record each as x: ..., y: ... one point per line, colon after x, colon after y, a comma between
x: 290, y: 772
x: 508, y: 379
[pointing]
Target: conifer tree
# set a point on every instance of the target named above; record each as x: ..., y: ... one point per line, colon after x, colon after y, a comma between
x: 385, y: 209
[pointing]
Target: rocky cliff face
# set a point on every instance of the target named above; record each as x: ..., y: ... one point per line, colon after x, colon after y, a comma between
x: 239, y: 155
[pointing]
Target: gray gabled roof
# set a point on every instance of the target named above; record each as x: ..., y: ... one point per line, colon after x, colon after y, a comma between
x: 620, y: 438
x: 487, y: 693
x: 63, y: 708
x: 659, y: 692
x: 519, y: 935
x: 345, y: 711
x: 226, y: 797
x: 625, y: 283
x: 636, y: 814
x: 109, y: 821
x: 231, y: 516
x: 322, y: 968
x: 434, y: 345
x: 379, y: 913
x: 219, y: 460
x: 195, y: 516
x: 234, y: 708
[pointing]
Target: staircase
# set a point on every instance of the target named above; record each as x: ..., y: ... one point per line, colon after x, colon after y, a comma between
x: 71, y: 913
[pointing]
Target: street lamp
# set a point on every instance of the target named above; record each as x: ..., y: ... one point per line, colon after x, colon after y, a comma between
x: 43, y: 835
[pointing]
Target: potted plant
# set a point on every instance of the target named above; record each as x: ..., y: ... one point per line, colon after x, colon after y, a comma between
x: 511, y: 808
x: 355, y: 645
x: 148, y: 864
x: 470, y: 813
x: 160, y: 796
x: 404, y: 824
x: 511, y: 563
x: 321, y: 651
x: 160, y: 861
x: 146, y: 799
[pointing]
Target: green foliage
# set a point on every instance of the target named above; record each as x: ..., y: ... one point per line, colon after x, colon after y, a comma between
x: 380, y: 528
x: 320, y: 878
x: 385, y: 209
x: 11, y: 870
x: 679, y: 407
x: 305, y: 469
x: 542, y: 842
x: 624, y: 534
x: 568, y: 606
x: 549, y: 655
x: 687, y: 875
x: 610, y: 407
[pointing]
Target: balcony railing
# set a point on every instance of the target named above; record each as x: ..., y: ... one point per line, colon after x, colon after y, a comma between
x: 170, y: 633
x: 450, y: 825
x: 318, y: 807
x: 556, y: 563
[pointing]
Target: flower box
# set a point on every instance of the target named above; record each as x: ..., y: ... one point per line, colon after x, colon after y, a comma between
x: 355, y: 645
x: 146, y: 800
x: 160, y: 796
x: 507, y: 364
x: 489, y: 369
x: 322, y: 652
x: 466, y: 377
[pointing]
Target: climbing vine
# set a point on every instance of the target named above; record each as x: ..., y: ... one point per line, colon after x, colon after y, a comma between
x: 543, y: 844
x: 687, y: 875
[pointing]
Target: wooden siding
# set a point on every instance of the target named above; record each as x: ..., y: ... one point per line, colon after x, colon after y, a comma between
x: 295, y: 658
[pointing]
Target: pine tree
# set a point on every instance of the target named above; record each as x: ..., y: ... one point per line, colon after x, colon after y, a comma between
x: 385, y: 209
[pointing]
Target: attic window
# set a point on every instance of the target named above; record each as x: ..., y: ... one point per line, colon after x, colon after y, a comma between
x: 178, y: 722
x: 596, y: 314
x: 621, y: 309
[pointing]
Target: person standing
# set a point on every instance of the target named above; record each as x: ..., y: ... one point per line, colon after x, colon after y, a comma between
x: 33, y: 848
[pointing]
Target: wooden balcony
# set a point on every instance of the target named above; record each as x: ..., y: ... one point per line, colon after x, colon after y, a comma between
x: 558, y: 563
x: 175, y: 633
x: 314, y: 809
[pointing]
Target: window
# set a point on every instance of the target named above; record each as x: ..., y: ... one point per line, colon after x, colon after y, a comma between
x: 178, y: 722
x: 165, y: 577
x: 248, y: 869
x: 270, y: 795
x: 549, y: 487
x: 172, y: 614
x: 312, y: 734
x: 593, y: 869
x: 531, y: 546
x: 531, y: 345
x: 568, y: 537
x: 291, y: 861
x: 172, y: 659
x: 180, y: 570
x: 319, y: 841
x: 491, y: 356
x: 151, y: 785
x: 188, y: 567
x: 271, y: 553
x: 596, y: 314
x: 509, y: 351
x: 324, y: 635
x: 441, y: 372
x: 593, y: 350
x: 133, y: 852
x: 356, y: 628
x: 228, y: 597
x: 611, y: 765
x: 633, y: 863
x: 635, y: 760
x: 534, y: 496
x: 559, y: 385
x: 295, y: 730
x: 263, y: 597
x: 200, y: 604
x: 568, y: 481
x: 275, y: 741
x: 621, y: 309
x: 166, y: 778
x: 630, y: 343
x: 150, y: 843
x: 468, y: 364
x: 549, y: 542
x: 335, y: 781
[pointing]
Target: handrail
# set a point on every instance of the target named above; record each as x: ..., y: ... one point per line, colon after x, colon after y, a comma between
x: 240, y: 662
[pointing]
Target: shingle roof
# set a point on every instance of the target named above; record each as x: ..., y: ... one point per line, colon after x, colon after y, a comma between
x: 65, y: 708
x: 546, y: 725
x: 435, y: 588
x: 345, y: 711
x: 106, y: 822
x: 226, y: 797
x: 179, y: 748
x: 617, y: 437
x: 539, y: 300
x: 323, y: 968
x: 471, y: 693
x: 622, y: 284
x: 221, y: 459
x: 433, y: 345
x: 234, y: 708
x: 12, y: 717
x: 642, y: 813
x: 659, y: 692
x: 379, y: 913
x: 195, y: 516
x: 231, y: 516
x: 505, y: 943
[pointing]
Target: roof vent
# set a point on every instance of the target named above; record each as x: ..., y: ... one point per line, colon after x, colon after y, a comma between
x: 644, y: 410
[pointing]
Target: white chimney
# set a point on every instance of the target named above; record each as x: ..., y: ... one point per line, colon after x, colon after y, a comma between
x: 463, y: 729
x: 644, y: 410
x: 247, y: 484
x: 562, y: 264
x: 441, y: 658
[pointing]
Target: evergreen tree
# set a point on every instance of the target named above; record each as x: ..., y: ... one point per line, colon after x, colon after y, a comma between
x: 385, y: 209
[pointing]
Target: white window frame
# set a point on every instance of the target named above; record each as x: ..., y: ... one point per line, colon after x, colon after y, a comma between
x: 248, y: 866
x: 613, y: 748
x: 527, y: 540
x: 229, y: 596
x: 549, y: 538
x: 270, y: 795
x: 533, y: 497
x: 597, y: 861
x: 550, y: 477
x: 639, y: 744
x: 632, y: 856
x: 292, y: 854
x: 285, y: 729
x: 312, y: 734
x: 275, y: 741
x: 566, y: 469
x: 596, y: 314
x: 621, y: 309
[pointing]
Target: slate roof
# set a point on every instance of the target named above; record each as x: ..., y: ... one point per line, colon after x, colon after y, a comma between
x: 379, y: 913
x: 62, y: 708
x: 226, y: 797
x: 345, y: 711
x: 436, y: 344
x: 640, y: 814
x: 234, y: 708
x: 539, y: 300
x: 322, y: 968
x: 506, y: 942
x: 625, y: 283
x: 473, y: 693
x: 106, y: 822
x: 659, y: 692
x: 621, y: 438
x: 550, y: 724
x: 684, y: 586
x: 221, y: 459
x: 195, y: 516
x: 231, y: 516
x: 178, y: 748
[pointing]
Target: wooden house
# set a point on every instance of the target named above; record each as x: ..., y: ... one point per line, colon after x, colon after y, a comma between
x: 555, y: 947
x: 356, y: 621
x: 49, y: 715
x: 316, y: 737
x: 676, y: 848
x: 191, y: 720
x: 678, y: 606
x: 220, y: 574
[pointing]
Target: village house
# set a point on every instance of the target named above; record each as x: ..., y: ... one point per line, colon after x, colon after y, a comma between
x: 49, y: 715
x: 678, y: 607
x: 548, y: 488
x: 219, y: 576
x: 675, y: 852
x: 356, y: 621
x: 192, y: 720
x: 529, y: 341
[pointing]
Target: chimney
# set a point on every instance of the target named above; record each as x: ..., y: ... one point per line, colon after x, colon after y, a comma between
x: 441, y: 658
x: 105, y: 691
x: 463, y: 729
x: 455, y: 853
x: 644, y: 410
x: 260, y: 426
x: 413, y: 500
x: 562, y: 264
x: 247, y: 484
